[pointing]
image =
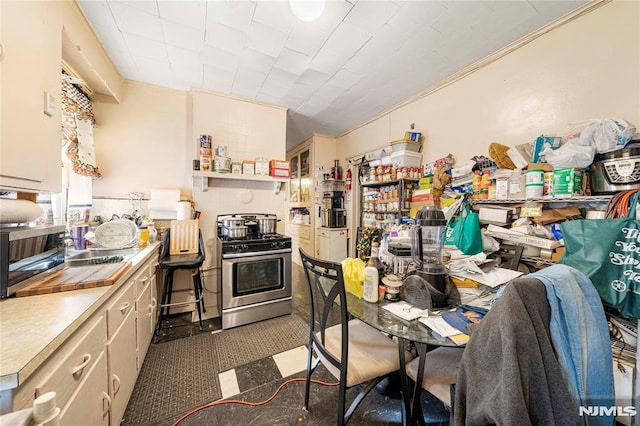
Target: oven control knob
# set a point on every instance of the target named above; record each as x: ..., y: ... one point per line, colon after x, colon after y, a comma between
x: 278, y: 244
x: 240, y: 248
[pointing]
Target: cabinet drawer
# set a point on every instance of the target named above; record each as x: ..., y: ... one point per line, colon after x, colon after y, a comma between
x: 143, y: 277
x: 67, y: 375
x: 305, y: 233
x: 118, y: 310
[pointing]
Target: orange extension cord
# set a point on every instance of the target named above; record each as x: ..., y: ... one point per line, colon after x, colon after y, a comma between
x: 619, y: 204
x: 251, y: 404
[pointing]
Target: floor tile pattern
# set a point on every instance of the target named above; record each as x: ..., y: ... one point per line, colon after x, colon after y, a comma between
x: 175, y: 377
x: 242, y: 345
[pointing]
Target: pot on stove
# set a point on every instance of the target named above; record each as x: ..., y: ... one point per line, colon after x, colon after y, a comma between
x: 233, y: 221
x: 234, y: 232
x: 267, y: 225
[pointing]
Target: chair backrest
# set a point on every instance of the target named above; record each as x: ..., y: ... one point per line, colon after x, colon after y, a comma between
x: 165, y: 250
x: 327, y: 303
x: 184, y: 237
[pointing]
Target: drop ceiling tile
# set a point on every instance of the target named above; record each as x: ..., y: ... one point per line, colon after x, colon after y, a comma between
x: 224, y: 37
x: 313, y: 78
x: 292, y: 100
x: 310, y: 108
x: 256, y: 61
x: 301, y: 90
x: 328, y: 92
x: 281, y: 78
x: 269, y: 99
x: 345, y: 78
x: 273, y: 90
x: 133, y: 21
x: 218, y: 80
x: 182, y: 36
x: 418, y: 13
x: 369, y: 16
x: 143, y: 6
x: 275, y: 14
x: 234, y: 14
x: 338, y: 49
x: 146, y: 48
x: 220, y: 58
x: 292, y: 61
x: 190, y: 13
x: 183, y: 57
x: 190, y: 76
x: 98, y: 14
x: 266, y: 39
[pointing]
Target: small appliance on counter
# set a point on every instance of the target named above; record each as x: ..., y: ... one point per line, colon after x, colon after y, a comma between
x: 255, y: 269
x: 26, y: 251
x: 334, y: 215
x: 616, y: 170
x: 430, y: 285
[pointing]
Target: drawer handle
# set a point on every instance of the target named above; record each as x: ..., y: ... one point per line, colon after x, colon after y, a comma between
x: 124, y: 307
x: 116, y: 384
x: 106, y: 407
x: 144, y: 279
x: 154, y: 302
x: 86, y: 359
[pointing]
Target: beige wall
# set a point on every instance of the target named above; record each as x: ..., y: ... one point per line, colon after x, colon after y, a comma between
x: 587, y: 68
x: 141, y: 142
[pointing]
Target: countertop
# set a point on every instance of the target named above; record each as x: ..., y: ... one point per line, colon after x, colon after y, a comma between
x: 33, y: 327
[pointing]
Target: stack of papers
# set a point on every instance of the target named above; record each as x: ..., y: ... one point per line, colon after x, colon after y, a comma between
x: 440, y: 326
x: 405, y: 310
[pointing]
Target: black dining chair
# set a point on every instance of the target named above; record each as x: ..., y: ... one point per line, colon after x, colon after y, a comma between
x: 352, y: 351
x: 171, y: 260
x: 439, y: 374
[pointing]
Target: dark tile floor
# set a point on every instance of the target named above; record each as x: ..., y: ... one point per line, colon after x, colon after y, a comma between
x: 259, y: 380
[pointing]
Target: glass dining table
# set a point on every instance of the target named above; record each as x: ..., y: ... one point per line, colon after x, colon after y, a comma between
x: 407, y: 332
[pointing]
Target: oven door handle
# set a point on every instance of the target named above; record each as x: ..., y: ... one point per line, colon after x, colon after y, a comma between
x: 254, y: 253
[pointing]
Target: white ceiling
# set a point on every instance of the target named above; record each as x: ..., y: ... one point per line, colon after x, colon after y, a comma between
x: 357, y: 61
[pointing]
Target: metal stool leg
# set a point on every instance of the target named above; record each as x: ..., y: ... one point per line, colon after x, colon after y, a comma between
x: 197, y: 285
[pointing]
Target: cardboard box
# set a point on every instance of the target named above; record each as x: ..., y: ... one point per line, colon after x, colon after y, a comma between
x: 497, y: 215
x: 278, y: 164
x: 558, y: 252
x: 247, y: 167
x: 417, y: 206
x: 516, y: 237
x: 276, y: 172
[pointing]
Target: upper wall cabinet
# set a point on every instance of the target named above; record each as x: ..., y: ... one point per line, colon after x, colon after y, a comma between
x: 30, y: 90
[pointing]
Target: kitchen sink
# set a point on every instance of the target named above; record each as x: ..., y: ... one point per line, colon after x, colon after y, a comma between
x: 100, y: 256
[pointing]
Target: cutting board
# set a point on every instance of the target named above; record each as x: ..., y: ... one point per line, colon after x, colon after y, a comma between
x: 76, y: 278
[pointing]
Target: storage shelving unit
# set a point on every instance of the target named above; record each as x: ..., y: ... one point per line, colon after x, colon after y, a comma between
x: 383, y: 212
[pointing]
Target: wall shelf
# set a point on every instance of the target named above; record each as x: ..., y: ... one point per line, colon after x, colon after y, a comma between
x: 577, y: 199
x: 205, y: 176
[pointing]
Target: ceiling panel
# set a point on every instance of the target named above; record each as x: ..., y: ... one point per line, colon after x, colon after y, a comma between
x: 359, y: 59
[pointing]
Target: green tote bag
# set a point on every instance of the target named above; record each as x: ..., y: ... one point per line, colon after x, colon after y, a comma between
x: 464, y: 232
x: 608, y: 252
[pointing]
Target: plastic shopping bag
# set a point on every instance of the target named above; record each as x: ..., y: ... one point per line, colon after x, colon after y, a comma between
x: 353, y: 274
x: 607, y: 134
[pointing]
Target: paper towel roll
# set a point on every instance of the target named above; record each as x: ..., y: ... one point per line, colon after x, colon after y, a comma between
x: 184, y: 210
x: 163, y: 203
x: 18, y: 211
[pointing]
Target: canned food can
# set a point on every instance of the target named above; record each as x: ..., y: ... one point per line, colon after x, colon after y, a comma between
x: 547, y: 189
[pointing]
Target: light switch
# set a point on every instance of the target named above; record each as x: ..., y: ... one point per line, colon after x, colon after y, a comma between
x: 49, y: 104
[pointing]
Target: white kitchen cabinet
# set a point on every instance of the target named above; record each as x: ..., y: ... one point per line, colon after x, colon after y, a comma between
x: 310, y: 157
x: 146, y: 304
x: 30, y: 64
x: 90, y: 405
x: 331, y: 244
x: 121, y: 352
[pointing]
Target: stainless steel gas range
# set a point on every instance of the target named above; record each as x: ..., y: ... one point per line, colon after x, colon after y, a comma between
x: 255, y: 271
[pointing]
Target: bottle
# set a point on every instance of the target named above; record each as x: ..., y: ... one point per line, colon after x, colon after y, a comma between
x: 485, y: 183
x: 370, y: 290
x: 375, y: 256
x: 476, y: 183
